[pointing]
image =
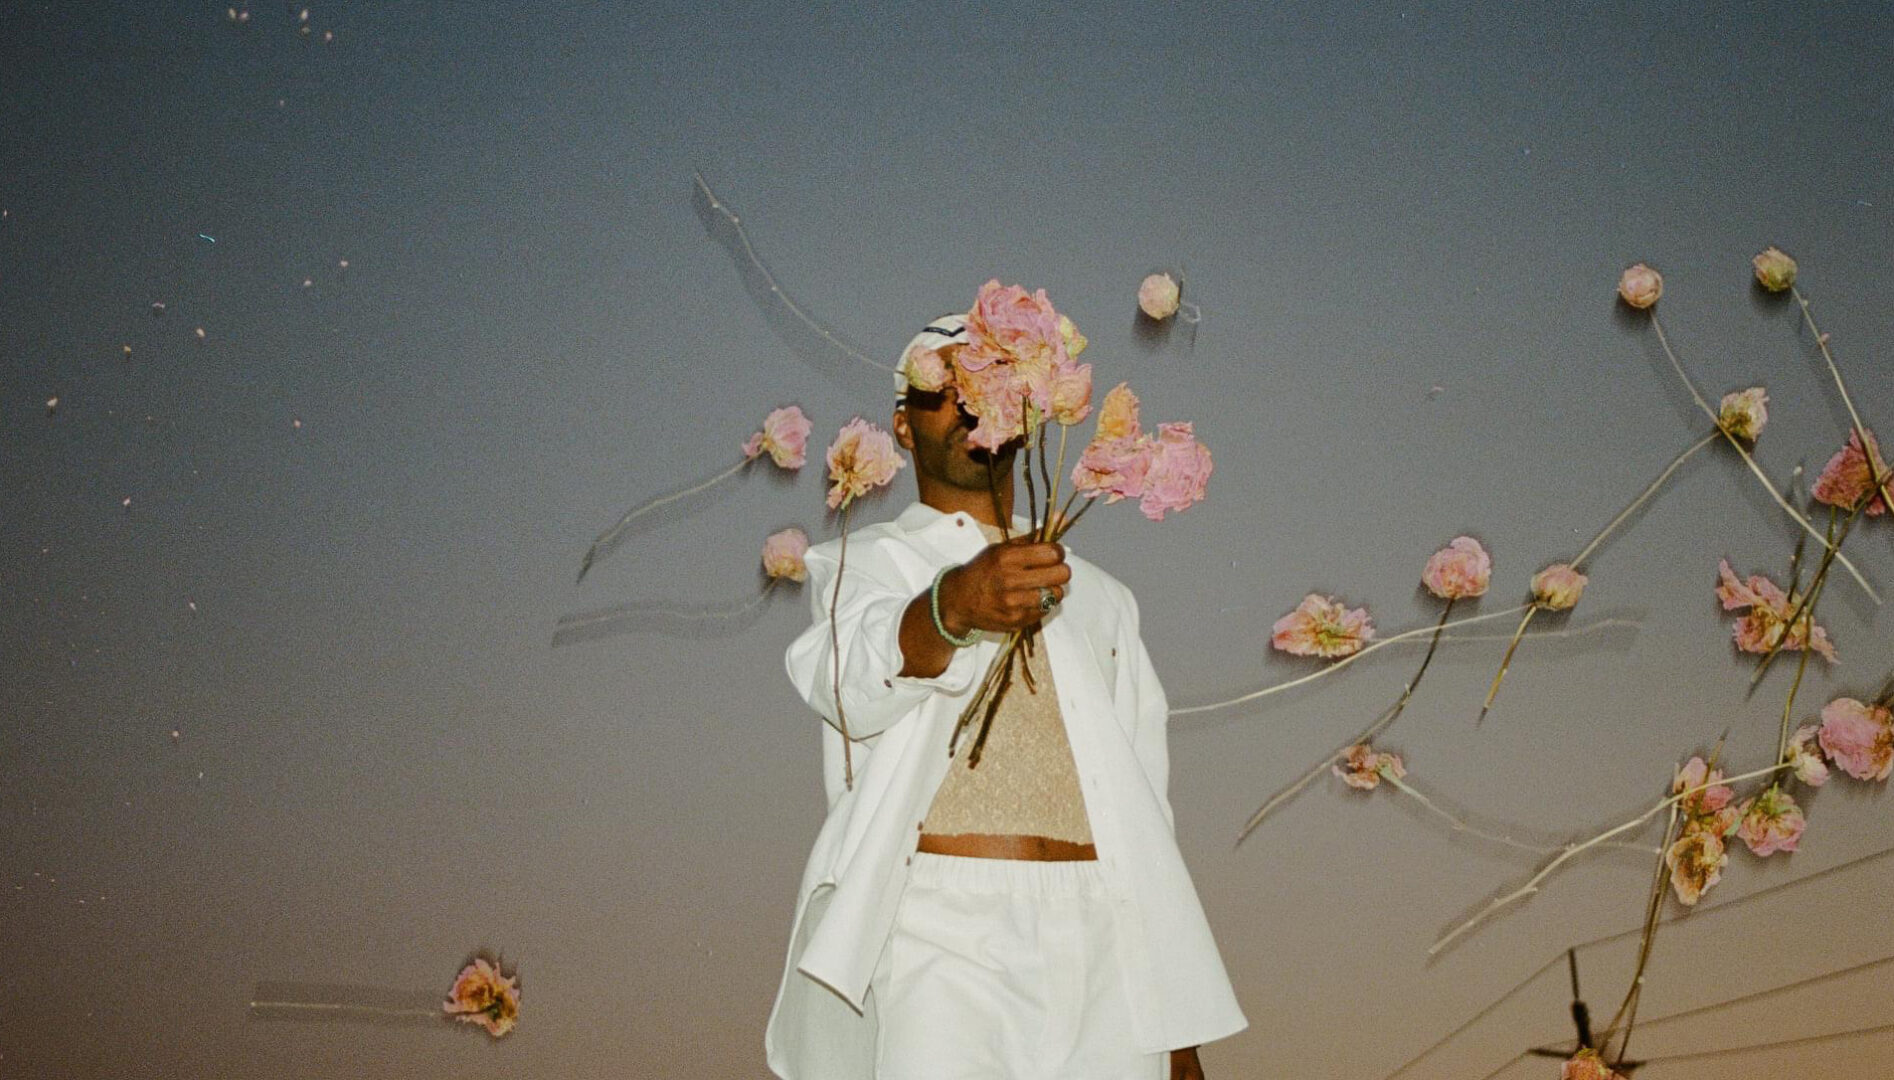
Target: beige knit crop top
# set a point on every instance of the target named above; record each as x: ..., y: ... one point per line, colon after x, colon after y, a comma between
x: 1027, y: 783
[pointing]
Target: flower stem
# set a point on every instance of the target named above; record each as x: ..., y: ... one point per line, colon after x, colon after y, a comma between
x: 1571, y: 850
x: 1653, y: 913
x: 1381, y: 724
x: 1346, y: 660
x: 1875, y: 482
x: 608, y: 539
x: 1507, y: 660
x: 1460, y: 825
x: 1750, y: 460
x: 1804, y: 610
x: 1676, y: 463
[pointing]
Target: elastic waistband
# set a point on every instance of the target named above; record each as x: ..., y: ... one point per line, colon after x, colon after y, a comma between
x: 1020, y: 877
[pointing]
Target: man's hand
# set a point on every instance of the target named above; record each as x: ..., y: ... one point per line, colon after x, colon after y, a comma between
x: 1184, y: 1064
x: 998, y: 589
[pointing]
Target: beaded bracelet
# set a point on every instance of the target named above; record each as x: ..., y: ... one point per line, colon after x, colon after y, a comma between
x: 933, y: 603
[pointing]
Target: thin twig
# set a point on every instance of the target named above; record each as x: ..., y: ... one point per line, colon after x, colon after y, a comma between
x: 775, y: 290
x: 1330, y: 669
x: 1381, y: 724
x: 1532, y: 885
x: 1460, y: 825
x: 1875, y: 482
x: 607, y: 540
x: 1750, y: 460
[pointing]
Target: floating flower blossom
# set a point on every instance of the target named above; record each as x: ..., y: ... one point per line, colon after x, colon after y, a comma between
x: 1361, y: 767
x: 1771, y: 822
x: 481, y: 995
x: 1859, y: 738
x: 1558, y: 587
x: 1845, y: 480
x: 1765, y: 627
x: 1775, y: 270
x: 1118, y: 416
x: 1008, y: 325
x: 1640, y: 286
x: 1071, y: 394
x: 1588, y: 1065
x: 785, y: 437
x: 1806, y: 758
x: 1180, y: 469
x: 1114, y: 468
x: 1711, y: 800
x: 861, y: 458
x: 1325, y: 628
x: 1742, y: 413
x: 1159, y: 296
x: 1696, y: 862
x: 1459, y: 570
x: 783, y: 553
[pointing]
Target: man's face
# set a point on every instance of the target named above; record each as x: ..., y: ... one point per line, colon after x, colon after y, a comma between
x: 934, y: 428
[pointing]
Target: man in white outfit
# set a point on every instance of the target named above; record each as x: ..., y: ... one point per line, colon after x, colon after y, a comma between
x: 1027, y: 918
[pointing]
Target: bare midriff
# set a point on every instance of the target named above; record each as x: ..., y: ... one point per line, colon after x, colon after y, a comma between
x: 1029, y: 848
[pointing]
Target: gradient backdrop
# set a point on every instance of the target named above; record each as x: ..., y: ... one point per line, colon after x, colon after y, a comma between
x: 290, y: 723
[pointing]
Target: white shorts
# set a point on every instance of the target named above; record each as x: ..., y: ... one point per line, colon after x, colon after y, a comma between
x: 1005, y: 969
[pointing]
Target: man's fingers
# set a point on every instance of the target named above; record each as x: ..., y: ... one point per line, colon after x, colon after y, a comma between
x: 1029, y: 556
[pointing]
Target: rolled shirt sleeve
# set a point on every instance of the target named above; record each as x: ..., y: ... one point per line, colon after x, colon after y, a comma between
x: 867, y: 629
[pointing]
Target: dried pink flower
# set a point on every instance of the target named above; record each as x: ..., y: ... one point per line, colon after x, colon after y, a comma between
x: 1159, y: 296
x: 1640, y: 286
x: 1008, y: 325
x: 1071, y: 394
x: 482, y: 995
x: 1696, y: 773
x: 927, y: 370
x: 861, y: 458
x: 1075, y: 342
x: 1558, y: 586
x: 996, y: 396
x: 1845, y: 480
x: 1459, y: 570
x: 1858, y: 737
x: 1588, y: 1065
x: 1775, y: 270
x: 785, y: 437
x: 1180, y: 470
x: 1322, y: 627
x: 1806, y: 757
x: 1696, y: 862
x: 1743, y: 413
x: 1766, y: 623
x: 1361, y: 767
x: 1771, y: 822
x: 783, y: 552
x: 1114, y: 468
x: 1118, y: 416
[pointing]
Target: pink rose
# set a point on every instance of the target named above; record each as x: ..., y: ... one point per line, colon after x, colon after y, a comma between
x: 1118, y: 416
x: 1180, y: 469
x: 785, y: 436
x: 861, y: 458
x: 1767, y: 622
x: 1159, y: 296
x: 1743, y: 413
x: 1640, y: 286
x: 1771, y: 822
x: 1845, y: 480
x: 1558, y: 586
x: 1696, y: 773
x: 1114, y: 468
x: 927, y: 370
x: 1361, y: 767
x: 1859, y: 738
x: 1324, y: 628
x: 1009, y: 325
x: 996, y: 397
x: 1071, y: 394
x: 1696, y: 862
x: 1459, y: 570
x: 1806, y: 758
x: 1775, y: 271
x: 783, y: 552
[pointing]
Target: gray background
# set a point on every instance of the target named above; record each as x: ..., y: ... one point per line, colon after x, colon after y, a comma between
x: 383, y: 764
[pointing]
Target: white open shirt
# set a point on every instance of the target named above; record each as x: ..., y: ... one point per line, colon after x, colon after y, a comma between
x: 1115, y: 717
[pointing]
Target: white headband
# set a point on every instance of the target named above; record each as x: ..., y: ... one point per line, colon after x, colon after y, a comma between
x: 939, y: 333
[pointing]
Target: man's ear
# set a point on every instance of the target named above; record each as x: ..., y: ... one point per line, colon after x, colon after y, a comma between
x: 899, y: 425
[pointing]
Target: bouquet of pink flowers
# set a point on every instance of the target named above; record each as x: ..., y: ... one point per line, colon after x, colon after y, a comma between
x: 1017, y: 373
